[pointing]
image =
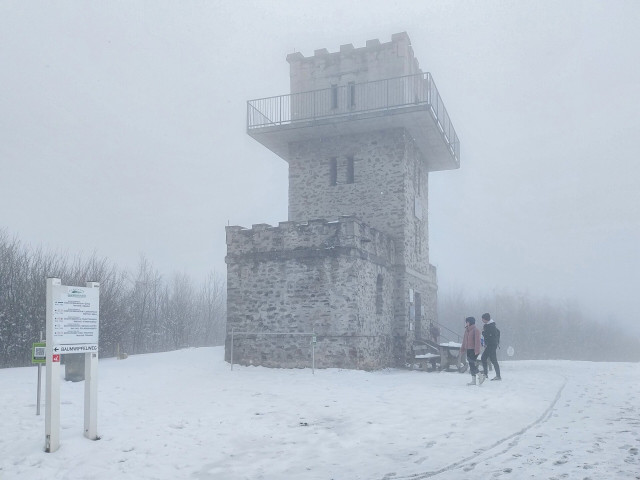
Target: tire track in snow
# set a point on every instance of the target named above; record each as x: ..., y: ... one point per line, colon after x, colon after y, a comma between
x: 543, y: 418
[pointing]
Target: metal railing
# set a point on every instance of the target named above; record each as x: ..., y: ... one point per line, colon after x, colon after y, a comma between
x: 443, y: 327
x: 355, y: 98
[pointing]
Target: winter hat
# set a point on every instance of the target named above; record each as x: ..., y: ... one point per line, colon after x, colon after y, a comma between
x: 470, y: 320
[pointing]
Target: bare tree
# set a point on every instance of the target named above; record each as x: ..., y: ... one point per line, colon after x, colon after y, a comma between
x: 541, y: 328
x: 144, y: 308
x: 211, y: 312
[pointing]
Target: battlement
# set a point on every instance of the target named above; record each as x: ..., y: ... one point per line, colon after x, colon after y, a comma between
x: 375, y: 61
x: 345, y: 234
x: 399, y: 41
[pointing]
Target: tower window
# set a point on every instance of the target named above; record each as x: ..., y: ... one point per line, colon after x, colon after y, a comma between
x: 333, y: 171
x: 334, y: 96
x: 352, y: 94
x: 379, y: 303
x: 350, y: 170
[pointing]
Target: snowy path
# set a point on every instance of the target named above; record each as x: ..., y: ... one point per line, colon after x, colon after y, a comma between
x: 468, y: 463
x: 591, y: 431
x: 186, y: 415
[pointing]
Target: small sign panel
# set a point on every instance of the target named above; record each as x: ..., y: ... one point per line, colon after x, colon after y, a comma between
x: 56, y: 358
x: 417, y: 207
x: 75, y: 315
x: 77, y: 348
x: 38, y: 353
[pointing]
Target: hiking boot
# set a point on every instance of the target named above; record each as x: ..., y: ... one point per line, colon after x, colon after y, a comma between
x: 473, y: 380
x: 481, y: 378
x: 496, y: 378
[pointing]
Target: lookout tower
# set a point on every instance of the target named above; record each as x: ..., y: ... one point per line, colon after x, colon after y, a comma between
x: 348, y: 274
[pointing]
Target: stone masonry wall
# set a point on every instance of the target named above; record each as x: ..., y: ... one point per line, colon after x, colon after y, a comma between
x: 389, y: 192
x: 377, y: 194
x: 317, y: 276
x: 416, y: 274
x: 407, y: 326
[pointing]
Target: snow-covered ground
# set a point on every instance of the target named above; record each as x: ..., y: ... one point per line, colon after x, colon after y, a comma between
x: 186, y: 415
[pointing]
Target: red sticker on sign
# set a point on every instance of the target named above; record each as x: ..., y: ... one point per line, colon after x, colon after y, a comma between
x: 56, y: 357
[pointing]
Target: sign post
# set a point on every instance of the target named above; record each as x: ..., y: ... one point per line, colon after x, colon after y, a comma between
x: 91, y: 381
x: 72, y: 327
x: 52, y: 396
x: 39, y: 356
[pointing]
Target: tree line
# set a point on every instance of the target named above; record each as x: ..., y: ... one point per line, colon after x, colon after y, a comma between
x: 541, y: 328
x: 140, y: 312
x: 144, y: 312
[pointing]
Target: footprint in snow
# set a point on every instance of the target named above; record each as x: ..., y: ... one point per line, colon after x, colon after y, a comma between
x: 469, y: 467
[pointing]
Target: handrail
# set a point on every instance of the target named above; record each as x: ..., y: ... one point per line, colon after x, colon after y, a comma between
x: 355, y: 98
x: 449, y: 330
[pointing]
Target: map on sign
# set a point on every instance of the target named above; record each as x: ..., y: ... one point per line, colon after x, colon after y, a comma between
x: 75, y: 315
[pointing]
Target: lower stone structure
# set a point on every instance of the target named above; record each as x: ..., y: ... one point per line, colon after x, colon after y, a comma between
x: 335, y: 282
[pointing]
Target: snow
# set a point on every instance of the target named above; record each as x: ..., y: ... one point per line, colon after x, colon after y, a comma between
x: 427, y: 355
x: 186, y: 414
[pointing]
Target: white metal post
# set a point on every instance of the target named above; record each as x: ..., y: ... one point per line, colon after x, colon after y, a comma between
x: 52, y: 397
x: 91, y: 388
x: 91, y: 395
x: 39, y: 389
x: 39, y: 383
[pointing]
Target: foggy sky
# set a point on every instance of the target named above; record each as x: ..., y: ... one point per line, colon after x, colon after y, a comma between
x: 122, y: 131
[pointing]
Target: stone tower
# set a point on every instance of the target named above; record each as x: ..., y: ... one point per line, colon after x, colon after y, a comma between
x: 347, y: 278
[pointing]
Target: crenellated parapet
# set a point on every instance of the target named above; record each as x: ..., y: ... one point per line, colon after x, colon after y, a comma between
x: 346, y: 235
x: 375, y: 61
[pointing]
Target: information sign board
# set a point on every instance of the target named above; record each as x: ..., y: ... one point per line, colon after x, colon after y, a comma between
x: 72, y: 327
x: 75, y: 316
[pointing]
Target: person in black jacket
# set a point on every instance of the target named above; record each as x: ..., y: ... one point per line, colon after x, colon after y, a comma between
x: 491, y: 342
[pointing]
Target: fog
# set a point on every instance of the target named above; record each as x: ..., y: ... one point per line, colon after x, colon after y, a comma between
x: 122, y: 132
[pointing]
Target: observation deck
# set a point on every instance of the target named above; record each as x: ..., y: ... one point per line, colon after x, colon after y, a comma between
x: 411, y: 102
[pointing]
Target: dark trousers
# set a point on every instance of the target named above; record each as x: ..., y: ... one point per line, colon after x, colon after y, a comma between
x: 490, y: 353
x: 472, y: 357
